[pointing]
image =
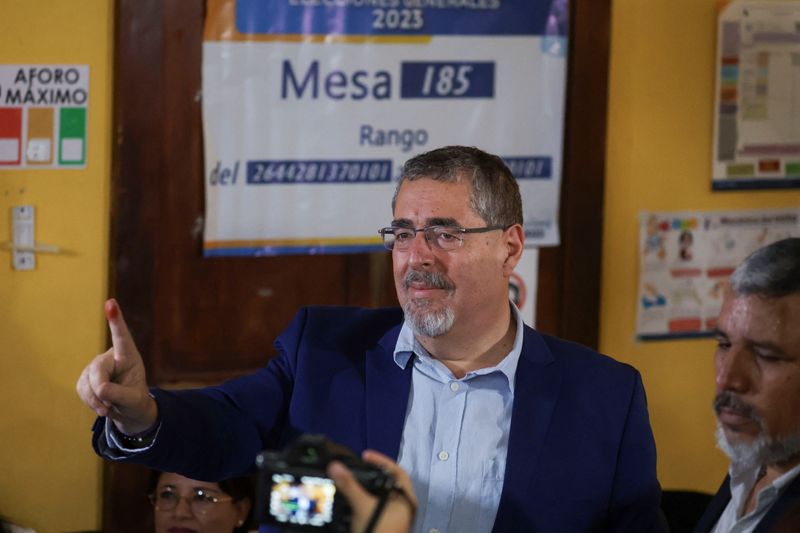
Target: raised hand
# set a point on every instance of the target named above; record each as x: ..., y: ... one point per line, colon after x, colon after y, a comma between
x: 114, y: 384
x: 397, y: 515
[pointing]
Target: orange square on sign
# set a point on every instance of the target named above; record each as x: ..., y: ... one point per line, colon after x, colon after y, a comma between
x: 40, y: 136
x: 769, y: 165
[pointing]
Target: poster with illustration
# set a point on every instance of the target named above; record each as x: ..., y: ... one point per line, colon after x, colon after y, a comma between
x: 686, y: 259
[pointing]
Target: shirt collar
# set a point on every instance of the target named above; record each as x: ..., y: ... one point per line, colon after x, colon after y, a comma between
x: 408, y: 345
x: 744, y: 478
x: 786, y: 478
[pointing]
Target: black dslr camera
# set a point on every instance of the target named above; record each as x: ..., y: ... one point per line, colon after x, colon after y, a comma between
x: 296, y: 494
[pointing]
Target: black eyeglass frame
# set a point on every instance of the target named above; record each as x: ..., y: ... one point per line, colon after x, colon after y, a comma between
x: 191, y: 499
x: 428, y: 231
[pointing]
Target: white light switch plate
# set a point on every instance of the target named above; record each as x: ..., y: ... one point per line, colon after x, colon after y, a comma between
x: 22, y: 221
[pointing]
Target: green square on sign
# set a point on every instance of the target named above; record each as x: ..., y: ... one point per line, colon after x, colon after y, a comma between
x: 72, y: 136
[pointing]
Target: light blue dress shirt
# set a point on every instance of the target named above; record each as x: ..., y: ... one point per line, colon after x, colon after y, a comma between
x: 455, y: 437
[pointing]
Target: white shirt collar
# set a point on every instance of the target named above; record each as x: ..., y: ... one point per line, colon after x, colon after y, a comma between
x: 408, y: 345
x: 743, y: 479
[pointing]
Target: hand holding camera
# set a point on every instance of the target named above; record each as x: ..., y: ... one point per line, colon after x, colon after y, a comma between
x: 397, y: 515
x: 296, y: 494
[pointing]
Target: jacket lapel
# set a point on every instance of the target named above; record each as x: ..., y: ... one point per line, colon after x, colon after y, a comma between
x: 715, y: 508
x: 387, y: 390
x: 536, y: 389
x: 784, y: 512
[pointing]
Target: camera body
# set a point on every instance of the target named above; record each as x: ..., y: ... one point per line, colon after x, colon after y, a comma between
x: 296, y: 494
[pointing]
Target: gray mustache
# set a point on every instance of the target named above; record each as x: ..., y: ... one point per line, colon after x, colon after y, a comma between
x: 727, y: 399
x: 429, y: 279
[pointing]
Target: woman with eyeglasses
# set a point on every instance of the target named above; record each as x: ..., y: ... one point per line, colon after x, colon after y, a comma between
x: 184, y: 505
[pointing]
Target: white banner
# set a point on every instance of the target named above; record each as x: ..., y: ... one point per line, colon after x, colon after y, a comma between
x: 311, y: 107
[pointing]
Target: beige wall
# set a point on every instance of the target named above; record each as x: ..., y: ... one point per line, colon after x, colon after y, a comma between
x: 658, y: 159
x: 50, y: 318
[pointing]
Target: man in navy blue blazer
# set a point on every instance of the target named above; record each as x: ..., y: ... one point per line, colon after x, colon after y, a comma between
x: 500, y: 428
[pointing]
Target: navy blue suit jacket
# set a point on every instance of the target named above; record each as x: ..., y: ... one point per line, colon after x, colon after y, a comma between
x: 581, y: 455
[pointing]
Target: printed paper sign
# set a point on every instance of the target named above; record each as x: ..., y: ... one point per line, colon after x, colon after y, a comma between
x: 757, y: 102
x: 686, y: 260
x: 43, y: 116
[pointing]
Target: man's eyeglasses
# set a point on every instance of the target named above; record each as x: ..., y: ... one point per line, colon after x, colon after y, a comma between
x: 441, y: 237
x: 201, y: 501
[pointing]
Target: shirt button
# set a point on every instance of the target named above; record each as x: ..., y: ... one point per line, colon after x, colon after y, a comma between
x: 454, y: 386
x: 444, y: 456
x: 433, y: 530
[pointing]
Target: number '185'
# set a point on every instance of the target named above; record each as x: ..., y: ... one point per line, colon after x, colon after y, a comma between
x: 446, y: 80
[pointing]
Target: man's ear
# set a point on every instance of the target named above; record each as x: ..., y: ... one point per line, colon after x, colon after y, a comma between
x: 515, y: 242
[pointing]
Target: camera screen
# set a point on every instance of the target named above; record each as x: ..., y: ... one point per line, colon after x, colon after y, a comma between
x: 301, y: 500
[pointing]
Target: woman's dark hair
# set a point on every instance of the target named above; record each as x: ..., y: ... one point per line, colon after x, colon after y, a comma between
x: 240, y: 488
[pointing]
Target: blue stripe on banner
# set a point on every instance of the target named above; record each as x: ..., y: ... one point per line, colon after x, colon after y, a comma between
x: 534, y: 167
x: 406, y: 17
x: 451, y: 79
x: 284, y: 172
x: 261, y: 251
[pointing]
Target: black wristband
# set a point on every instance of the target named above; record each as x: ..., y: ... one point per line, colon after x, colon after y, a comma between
x: 139, y: 440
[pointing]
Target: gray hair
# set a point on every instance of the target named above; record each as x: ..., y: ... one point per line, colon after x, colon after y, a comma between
x: 495, y: 194
x: 772, y: 271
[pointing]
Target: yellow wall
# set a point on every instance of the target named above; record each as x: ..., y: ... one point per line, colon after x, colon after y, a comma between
x: 658, y: 159
x: 659, y: 145
x: 51, y: 319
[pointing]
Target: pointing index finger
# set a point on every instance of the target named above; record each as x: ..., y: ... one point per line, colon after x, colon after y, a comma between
x: 120, y: 336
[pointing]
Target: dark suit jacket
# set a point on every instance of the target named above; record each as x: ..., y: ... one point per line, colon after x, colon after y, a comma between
x: 581, y: 455
x: 783, y: 517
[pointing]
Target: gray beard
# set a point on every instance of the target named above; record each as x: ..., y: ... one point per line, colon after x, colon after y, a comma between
x: 426, y: 321
x: 763, y: 450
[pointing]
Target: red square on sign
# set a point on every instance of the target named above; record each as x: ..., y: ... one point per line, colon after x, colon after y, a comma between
x: 10, y: 135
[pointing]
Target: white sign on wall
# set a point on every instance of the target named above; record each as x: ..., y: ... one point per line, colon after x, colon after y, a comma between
x: 311, y: 108
x: 43, y: 116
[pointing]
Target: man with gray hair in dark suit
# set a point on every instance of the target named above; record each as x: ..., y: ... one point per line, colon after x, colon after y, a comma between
x: 758, y: 395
